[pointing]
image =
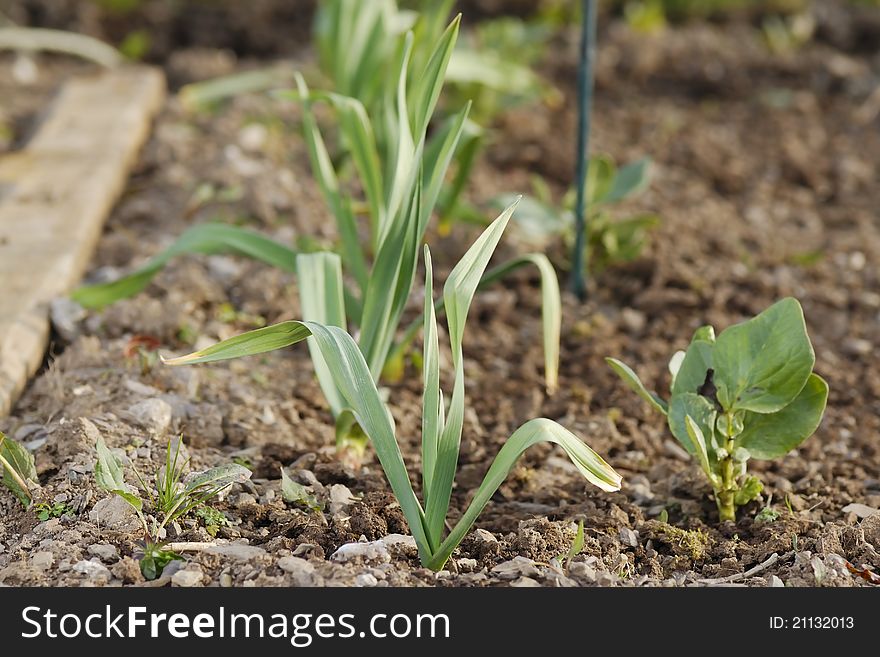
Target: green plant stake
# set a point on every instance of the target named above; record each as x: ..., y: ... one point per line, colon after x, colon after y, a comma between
x: 585, y: 93
x: 750, y: 393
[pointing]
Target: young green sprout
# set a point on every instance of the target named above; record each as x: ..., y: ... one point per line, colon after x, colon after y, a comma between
x: 750, y: 393
x: 441, y: 426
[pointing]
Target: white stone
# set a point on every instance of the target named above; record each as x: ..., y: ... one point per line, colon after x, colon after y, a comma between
x: 187, y: 578
x: 153, y: 414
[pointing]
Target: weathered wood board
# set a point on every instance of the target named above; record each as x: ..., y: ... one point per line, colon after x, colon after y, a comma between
x: 55, y: 195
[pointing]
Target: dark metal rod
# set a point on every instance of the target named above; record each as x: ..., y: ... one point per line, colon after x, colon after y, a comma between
x: 585, y: 93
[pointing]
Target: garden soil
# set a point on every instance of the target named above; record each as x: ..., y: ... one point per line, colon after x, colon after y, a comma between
x: 765, y: 176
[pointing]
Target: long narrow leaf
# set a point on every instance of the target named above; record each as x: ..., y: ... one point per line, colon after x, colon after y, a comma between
x: 551, y: 308
x: 432, y: 411
x: 438, y: 155
x: 403, y: 160
x: 356, y: 384
x: 358, y: 132
x: 218, y: 478
x: 458, y: 293
x: 340, y: 206
x: 589, y: 464
x: 209, y: 238
x: 251, y: 343
x: 390, y: 283
x: 427, y: 88
x: 322, y: 300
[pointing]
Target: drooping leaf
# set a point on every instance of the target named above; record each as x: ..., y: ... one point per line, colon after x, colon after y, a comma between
x: 762, y: 364
x: 591, y: 466
x: 251, y: 343
x: 632, y: 380
x: 209, y: 238
x: 200, y: 96
x: 551, y: 307
x: 771, y: 435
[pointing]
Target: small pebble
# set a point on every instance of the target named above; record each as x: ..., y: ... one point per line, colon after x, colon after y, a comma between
x: 365, y: 579
x: 188, y: 577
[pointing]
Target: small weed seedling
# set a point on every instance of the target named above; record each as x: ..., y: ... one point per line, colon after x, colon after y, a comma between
x: 611, y: 239
x: 750, y: 393
x: 577, y: 546
x: 441, y: 426
x: 213, y: 518
x: 171, y: 497
x: 46, y: 510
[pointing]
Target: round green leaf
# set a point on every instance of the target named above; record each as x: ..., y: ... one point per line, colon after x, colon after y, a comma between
x: 761, y: 365
x: 769, y: 436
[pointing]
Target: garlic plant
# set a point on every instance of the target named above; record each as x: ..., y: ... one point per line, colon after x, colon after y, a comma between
x: 350, y: 373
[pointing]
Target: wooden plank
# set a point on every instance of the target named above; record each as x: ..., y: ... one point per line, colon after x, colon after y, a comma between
x: 55, y: 195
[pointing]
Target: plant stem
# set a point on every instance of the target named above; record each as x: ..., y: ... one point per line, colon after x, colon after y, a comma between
x: 585, y: 92
x: 725, y: 497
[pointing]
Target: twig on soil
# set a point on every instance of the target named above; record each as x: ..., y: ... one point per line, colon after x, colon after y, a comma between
x: 751, y: 572
x: 190, y: 546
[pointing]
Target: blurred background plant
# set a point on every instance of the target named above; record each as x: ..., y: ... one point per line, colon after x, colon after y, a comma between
x: 613, y: 236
